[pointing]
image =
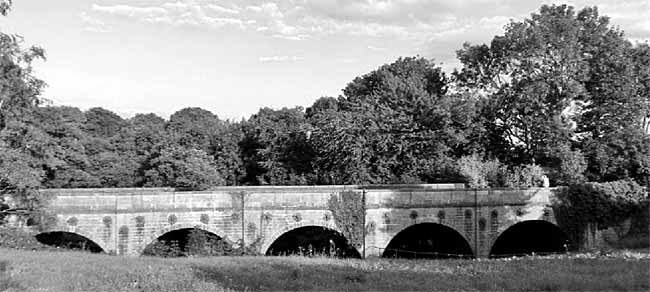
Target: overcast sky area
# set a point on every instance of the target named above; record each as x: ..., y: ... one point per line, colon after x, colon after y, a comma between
x: 233, y: 57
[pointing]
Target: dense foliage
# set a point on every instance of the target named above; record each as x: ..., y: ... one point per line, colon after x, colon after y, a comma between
x: 21, y: 157
x: 564, y: 89
x: 602, y: 205
x: 349, y: 210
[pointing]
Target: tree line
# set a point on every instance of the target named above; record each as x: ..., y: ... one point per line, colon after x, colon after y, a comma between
x: 561, y: 94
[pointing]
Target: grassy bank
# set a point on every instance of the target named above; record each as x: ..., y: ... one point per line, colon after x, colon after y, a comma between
x: 73, y: 271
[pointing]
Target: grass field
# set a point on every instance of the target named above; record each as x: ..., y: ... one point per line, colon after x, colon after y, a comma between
x: 22, y: 270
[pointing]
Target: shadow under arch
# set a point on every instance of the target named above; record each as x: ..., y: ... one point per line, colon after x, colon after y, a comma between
x: 311, y: 240
x: 528, y: 237
x: 428, y: 241
x: 187, y: 239
x: 160, y: 232
x: 69, y: 240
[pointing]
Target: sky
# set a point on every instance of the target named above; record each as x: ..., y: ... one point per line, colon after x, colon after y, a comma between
x: 233, y: 57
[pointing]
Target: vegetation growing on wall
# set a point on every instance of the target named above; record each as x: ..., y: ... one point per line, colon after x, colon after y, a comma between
x: 348, y: 210
x: 603, y: 205
x: 480, y: 173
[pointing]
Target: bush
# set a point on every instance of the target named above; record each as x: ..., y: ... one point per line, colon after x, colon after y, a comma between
x: 349, y: 210
x: 572, y: 165
x: 471, y: 168
x: 161, y: 248
x: 479, y: 173
x: 17, y: 238
x: 526, y: 176
x: 196, y: 243
x: 603, y: 204
x: 201, y: 243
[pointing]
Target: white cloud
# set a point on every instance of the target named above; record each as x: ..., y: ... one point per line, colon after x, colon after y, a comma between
x: 176, y: 13
x: 373, y: 48
x: 270, y: 59
x: 92, y: 24
x: 290, y: 37
x: 413, y: 20
x: 131, y: 11
x: 222, y: 9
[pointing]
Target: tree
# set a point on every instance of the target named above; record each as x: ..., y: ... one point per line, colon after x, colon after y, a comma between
x: 275, y: 149
x: 396, y: 124
x: 556, y: 82
x: 142, y: 134
x: 531, y: 76
x: 182, y: 168
x: 323, y: 104
x: 103, y: 123
x: 59, y: 143
x: 147, y: 130
x: 227, y: 153
x: 196, y: 128
x: 19, y: 177
x: 20, y: 172
x: 110, y: 147
x: 19, y: 89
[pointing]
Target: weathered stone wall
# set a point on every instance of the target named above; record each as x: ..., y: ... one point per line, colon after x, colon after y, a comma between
x: 125, y: 221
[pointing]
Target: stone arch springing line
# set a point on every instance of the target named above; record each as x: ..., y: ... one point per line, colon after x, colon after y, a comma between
x: 528, y: 237
x: 342, y: 243
x: 71, y: 239
x: 429, y: 240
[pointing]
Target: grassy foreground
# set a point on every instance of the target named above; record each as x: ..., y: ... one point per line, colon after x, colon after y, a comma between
x: 22, y: 270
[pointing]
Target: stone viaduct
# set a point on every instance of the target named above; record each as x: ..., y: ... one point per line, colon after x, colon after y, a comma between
x: 125, y: 221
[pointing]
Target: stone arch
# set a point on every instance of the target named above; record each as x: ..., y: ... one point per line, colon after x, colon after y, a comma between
x: 153, y: 237
x: 268, y: 241
x: 85, y: 235
x: 446, y: 229
x: 551, y: 238
x: 504, y: 224
x: 444, y: 223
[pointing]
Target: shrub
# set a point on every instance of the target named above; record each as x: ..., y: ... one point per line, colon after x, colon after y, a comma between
x: 196, y: 243
x: 17, y: 238
x: 348, y: 210
x: 568, y: 166
x: 495, y: 173
x: 201, y: 243
x: 163, y: 249
x: 471, y: 168
x: 479, y: 173
x: 526, y: 176
x: 603, y: 204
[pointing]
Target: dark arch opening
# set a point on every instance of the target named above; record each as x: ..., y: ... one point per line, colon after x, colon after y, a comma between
x: 68, y: 240
x: 188, y: 242
x: 313, y: 241
x: 528, y: 237
x: 428, y: 241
